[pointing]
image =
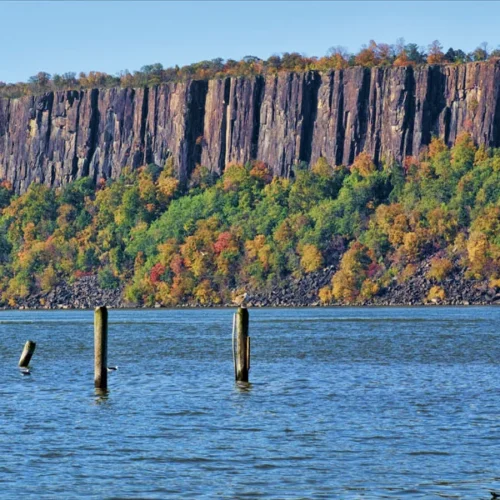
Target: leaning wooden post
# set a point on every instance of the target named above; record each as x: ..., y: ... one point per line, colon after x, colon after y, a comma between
x: 29, y: 349
x: 101, y: 347
x: 242, y: 348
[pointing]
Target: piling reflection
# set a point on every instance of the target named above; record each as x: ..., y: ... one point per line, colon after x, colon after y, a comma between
x: 243, y: 387
x: 101, y: 396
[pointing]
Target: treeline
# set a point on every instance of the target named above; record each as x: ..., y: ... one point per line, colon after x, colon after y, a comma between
x: 373, y: 54
x: 200, y: 244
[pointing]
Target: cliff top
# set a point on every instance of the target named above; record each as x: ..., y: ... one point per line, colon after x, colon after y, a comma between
x: 369, y: 56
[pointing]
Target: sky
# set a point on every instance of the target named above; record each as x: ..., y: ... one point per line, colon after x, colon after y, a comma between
x: 62, y: 36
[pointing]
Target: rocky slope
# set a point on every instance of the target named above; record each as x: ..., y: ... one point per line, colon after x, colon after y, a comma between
x: 282, y: 120
x: 85, y: 293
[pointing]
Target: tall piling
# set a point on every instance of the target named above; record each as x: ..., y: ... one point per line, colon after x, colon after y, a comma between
x: 100, y: 348
x: 242, y: 346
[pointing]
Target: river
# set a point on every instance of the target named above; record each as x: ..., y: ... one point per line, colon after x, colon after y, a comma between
x: 342, y: 403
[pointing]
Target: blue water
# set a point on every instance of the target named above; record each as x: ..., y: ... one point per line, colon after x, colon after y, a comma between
x: 343, y: 403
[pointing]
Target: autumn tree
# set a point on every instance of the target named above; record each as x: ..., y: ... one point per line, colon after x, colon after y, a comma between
x: 435, y: 53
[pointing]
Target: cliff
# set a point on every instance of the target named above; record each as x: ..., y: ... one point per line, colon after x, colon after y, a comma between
x: 282, y: 120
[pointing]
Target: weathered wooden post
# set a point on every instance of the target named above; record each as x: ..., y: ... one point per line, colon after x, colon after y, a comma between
x: 100, y: 347
x: 29, y: 349
x: 242, y: 347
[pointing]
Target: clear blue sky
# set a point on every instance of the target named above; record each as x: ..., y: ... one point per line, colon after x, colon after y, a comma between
x: 111, y: 36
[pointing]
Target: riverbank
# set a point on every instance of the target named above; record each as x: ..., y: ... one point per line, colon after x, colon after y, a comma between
x: 85, y: 293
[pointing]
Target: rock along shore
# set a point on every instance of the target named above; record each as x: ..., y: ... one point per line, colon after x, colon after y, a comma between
x: 86, y: 293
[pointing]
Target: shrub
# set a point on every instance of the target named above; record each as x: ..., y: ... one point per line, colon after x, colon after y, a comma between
x: 440, y: 268
x: 106, y: 279
x: 436, y: 294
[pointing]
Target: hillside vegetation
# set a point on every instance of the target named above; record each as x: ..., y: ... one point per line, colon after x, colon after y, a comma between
x: 247, y: 229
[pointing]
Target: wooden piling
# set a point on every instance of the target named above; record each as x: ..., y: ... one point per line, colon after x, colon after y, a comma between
x: 101, y: 348
x: 242, y: 347
x: 29, y: 349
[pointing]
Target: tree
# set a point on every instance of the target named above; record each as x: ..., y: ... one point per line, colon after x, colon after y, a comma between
x: 480, y: 53
x: 354, y: 267
x: 435, y: 54
x: 368, y: 55
x: 414, y: 53
x: 311, y: 259
x: 41, y: 79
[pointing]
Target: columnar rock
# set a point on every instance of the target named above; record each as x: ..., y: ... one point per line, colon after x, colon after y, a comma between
x: 286, y: 120
x: 213, y: 140
x: 174, y: 121
x: 243, y: 119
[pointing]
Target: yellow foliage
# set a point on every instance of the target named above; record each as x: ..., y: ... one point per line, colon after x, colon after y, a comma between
x: 488, y: 223
x: 478, y: 252
x: 311, y: 260
x: 325, y: 295
x: 347, y: 282
x: 254, y: 246
x: 460, y: 243
x: 167, y: 186
x: 440, y: 268
x: 443, y: 224
x: 463, y: 140
x: 234, y: 175
x: 18, y: 288
x: 162, y: 294
x: 277, y: 187
x: 284, y: 233
x: 48, y: 279
x: 200, y: 264
x: 257, y: 249
x: 205, y: 294
x: 322, y: 168
x: 369, y: 289
x: 436, y: 294
x: 166, y: 251
x: 169, y: 168
x: 481, y: 155
x: 412, y: 243
x: 397, y: 230
x: 147, y: 188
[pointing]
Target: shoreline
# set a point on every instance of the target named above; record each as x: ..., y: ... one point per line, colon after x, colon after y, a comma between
x: 85, y: 293
x: 250, y: 306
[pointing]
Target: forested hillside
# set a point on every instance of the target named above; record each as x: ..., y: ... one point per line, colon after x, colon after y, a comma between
x: 170, y: 245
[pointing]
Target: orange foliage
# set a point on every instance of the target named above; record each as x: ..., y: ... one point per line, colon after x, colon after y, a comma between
x: 363, y: 164
x: 261, y: 171
x: 436, y: 147
x: 436, y: 54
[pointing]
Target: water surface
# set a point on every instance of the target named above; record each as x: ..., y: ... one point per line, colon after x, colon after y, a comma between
x: 343, y: 403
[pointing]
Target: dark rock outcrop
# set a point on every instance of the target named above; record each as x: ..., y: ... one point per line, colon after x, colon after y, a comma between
x: 283, y: 120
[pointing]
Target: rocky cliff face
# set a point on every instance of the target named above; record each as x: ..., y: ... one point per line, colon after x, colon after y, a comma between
x: 282, y: 120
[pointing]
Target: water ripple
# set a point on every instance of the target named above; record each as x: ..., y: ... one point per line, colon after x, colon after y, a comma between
x: 343, y: 403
